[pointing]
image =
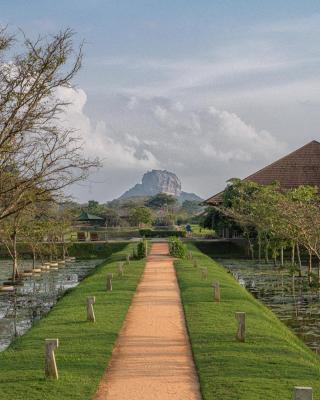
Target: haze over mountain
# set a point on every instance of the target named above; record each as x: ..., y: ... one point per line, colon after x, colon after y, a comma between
x: 159, y: 181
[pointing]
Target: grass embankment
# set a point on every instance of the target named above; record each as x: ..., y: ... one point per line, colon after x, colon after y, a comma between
x: 271, y: 361
x: 85, y: 348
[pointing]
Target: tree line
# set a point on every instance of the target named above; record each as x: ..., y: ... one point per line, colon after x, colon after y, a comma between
x: 274, y: 222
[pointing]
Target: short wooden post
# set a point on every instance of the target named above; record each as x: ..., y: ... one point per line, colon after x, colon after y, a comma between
x: 120, y: 268
x: 241, y: 332
x: 190, y: 255
x: 204, y: 273
x: 90, y: 311
x: 128, y: 259
x: 302, y: 393
x: 216, y: 291
x: 195, y: 264
x: 109, y: 282
x: 50, y: 367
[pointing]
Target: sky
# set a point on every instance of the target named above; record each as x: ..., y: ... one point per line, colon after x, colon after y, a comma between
x: 207, y: 89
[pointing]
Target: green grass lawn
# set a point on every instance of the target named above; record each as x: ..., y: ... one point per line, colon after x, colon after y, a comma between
x: 85, y: 348
x: 271, y: 361
x: 197, y: 230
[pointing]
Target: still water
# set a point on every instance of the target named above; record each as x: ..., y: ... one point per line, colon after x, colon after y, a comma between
x: 35, y: 295
x: 291, y: 299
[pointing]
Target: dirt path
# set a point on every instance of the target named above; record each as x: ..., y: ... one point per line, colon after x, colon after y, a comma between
x: 152, y: 358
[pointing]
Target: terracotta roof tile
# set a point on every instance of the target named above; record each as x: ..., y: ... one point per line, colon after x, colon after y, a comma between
x: 301, y: 167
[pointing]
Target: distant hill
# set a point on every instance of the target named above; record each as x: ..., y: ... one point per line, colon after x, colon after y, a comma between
x: 158, y: 181
x: 189, y: 196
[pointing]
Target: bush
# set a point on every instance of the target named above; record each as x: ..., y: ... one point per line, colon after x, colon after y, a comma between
x: 177, y: 248
x: 149, y: 233
x: 141, y: 250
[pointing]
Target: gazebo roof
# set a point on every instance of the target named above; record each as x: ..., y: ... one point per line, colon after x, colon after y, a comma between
x: 301, y: 167
x: 85, y: 216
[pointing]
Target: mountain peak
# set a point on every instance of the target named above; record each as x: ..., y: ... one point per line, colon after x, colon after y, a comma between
x: 158, y: 181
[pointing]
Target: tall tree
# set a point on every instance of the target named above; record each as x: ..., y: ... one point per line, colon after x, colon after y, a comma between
x: 38, y: 157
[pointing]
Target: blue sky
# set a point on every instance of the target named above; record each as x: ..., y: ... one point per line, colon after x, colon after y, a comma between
x: 207, y: 89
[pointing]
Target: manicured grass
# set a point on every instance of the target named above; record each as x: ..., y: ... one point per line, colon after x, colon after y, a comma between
x: 197, y: 230
x: 271, y: 361
x: 85, y: 348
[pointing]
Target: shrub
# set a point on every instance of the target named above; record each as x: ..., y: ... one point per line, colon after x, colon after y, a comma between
x: 142, y: 250
x: 177, y: 248
x: 149, y: 233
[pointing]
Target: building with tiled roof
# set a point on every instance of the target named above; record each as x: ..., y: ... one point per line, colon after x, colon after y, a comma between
x: 301, y: 167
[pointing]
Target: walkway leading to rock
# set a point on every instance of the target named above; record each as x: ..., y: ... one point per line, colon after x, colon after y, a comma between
x: 152, y: 358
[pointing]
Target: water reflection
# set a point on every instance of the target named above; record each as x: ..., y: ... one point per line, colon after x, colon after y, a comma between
x: 35, y: 295
x: 290, y: 298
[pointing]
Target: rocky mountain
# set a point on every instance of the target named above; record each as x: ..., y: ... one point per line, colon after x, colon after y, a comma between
x: 157, y: 181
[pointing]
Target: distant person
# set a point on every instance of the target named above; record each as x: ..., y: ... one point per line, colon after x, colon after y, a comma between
x: 188, y: 230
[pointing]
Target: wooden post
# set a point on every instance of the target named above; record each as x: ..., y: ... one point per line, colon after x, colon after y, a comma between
x: 195, y: 264
x: 302, y: 393
x: 216, y: 291
x: 50, y: 367
x: 128, y: 259
x: 120, y: 268
x: 90, y: 311
x: 190, y: 255
x: 109, y: 281
x: 241, y: 332
x: 204, y: 273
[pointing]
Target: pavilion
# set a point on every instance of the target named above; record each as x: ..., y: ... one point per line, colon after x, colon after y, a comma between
x: 87, y: 226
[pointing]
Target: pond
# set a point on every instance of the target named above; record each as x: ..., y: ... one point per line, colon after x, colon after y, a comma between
x: 35, y: 295
x: 291, y: 299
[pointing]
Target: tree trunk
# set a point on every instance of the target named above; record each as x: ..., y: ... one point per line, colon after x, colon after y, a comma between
x: 33, y: 258
x: 259, y: 247
x: 292, y: 254
x: 310, y: 268
x: 251, y: 250
x: 266, y: 253
x: 275, y: 259
x: 299, y: 260
x: 15, y: 273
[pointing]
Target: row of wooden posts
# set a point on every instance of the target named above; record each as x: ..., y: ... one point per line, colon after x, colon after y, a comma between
x: 50, y: 366
x: 299, y: 392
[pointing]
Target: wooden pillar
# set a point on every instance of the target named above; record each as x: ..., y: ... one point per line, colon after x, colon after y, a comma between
x: 120, y: 268
x: 109, y: 281
x: 50, y: 367
x: 216, y: 291
x: 204, y: 273
x: 302, y: 393
x: 241, y: 332
x: 90, y: 311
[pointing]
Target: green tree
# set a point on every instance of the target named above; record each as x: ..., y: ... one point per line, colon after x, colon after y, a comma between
x: 95, y: 208
x: 139, y: 216
x: 161, y: 200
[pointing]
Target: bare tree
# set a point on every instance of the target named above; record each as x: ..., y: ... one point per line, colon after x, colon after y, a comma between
x: 38, y: 158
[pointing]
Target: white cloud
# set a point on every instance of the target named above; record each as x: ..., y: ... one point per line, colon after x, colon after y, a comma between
x: 97, y: 140
x: 156, y: 133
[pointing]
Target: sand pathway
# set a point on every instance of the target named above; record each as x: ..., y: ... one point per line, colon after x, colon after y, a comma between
x: 152, y: 357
